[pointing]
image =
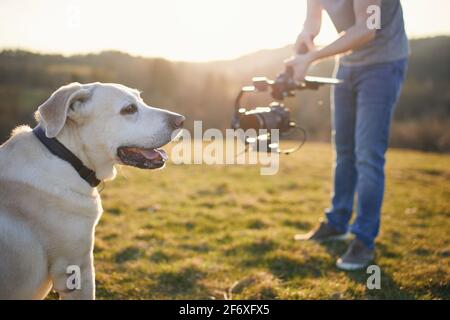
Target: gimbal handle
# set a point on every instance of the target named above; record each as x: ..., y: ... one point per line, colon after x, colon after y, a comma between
x: 262, y: 84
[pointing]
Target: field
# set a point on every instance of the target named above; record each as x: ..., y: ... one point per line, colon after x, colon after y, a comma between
x: 225, y: 232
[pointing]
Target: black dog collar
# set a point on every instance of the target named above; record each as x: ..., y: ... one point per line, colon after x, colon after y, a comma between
x: 59, y: 150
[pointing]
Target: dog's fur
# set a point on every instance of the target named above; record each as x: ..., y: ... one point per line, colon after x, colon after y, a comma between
x: 47, y: 211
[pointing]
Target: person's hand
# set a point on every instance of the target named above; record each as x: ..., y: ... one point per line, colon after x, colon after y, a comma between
x: 300, y: 63
x: 304, y: 43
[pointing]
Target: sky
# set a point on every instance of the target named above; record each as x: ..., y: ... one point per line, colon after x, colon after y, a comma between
x: 189, y: 30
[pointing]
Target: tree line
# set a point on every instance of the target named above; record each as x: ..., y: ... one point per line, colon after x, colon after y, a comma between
x: 205, y: 91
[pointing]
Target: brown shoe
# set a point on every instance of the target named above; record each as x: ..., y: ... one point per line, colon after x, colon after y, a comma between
x: 324, y: 232
x: 357, y: 257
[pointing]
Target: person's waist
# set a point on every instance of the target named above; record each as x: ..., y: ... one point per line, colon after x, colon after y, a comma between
x: 365, y: 62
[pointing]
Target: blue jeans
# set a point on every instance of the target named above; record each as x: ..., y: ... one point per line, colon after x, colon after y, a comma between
x: 362, y: 109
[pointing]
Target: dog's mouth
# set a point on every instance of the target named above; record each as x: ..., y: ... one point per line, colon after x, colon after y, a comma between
x: 142, y: 158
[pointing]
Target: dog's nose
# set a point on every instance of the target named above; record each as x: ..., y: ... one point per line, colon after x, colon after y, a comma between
x: 176, y: 121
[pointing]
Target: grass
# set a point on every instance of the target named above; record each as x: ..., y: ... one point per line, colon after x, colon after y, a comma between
x: 216, y: 232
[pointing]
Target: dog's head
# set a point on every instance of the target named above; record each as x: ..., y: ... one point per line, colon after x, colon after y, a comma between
x: 112, y: 123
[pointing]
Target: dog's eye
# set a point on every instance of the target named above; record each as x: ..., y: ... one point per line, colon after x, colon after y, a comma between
x: 130, y: 109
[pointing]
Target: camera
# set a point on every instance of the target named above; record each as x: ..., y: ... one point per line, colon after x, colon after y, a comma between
x: 275, y: 115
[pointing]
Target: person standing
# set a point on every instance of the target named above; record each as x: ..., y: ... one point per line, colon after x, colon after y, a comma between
x: 372, y: 66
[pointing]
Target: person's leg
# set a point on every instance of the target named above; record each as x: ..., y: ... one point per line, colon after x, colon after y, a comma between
x: 344, y: 122
x: 378, y: 88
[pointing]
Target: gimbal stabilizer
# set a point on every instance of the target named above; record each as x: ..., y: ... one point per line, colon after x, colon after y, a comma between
x: 276, y: 115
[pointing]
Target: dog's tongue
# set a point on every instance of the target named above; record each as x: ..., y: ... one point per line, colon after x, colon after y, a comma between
x: 153, y: 154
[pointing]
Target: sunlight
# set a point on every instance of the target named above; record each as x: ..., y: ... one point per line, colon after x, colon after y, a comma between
x: 195, y: 30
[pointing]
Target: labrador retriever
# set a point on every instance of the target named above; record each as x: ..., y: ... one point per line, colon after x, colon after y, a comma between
x: 48, y: 210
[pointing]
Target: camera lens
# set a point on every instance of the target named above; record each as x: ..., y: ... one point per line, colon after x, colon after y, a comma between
x: 250, y: 121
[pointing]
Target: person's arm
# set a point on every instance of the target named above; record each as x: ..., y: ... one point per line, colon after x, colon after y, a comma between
x: 353, y: 38
x: 311, y: 27
x: 356, y: 36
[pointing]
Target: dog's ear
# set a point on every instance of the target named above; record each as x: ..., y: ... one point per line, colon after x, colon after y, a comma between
x: 54, y: 111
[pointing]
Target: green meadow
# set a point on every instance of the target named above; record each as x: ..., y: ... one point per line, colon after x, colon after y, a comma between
x: 226, y: 232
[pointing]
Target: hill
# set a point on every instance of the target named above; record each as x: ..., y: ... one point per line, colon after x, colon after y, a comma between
x: 205, y: 91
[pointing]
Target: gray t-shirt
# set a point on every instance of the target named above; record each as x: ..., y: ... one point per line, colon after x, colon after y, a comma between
x: 390, y: 43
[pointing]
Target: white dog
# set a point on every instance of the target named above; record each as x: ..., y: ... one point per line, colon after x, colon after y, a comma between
x: 49, y: 207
